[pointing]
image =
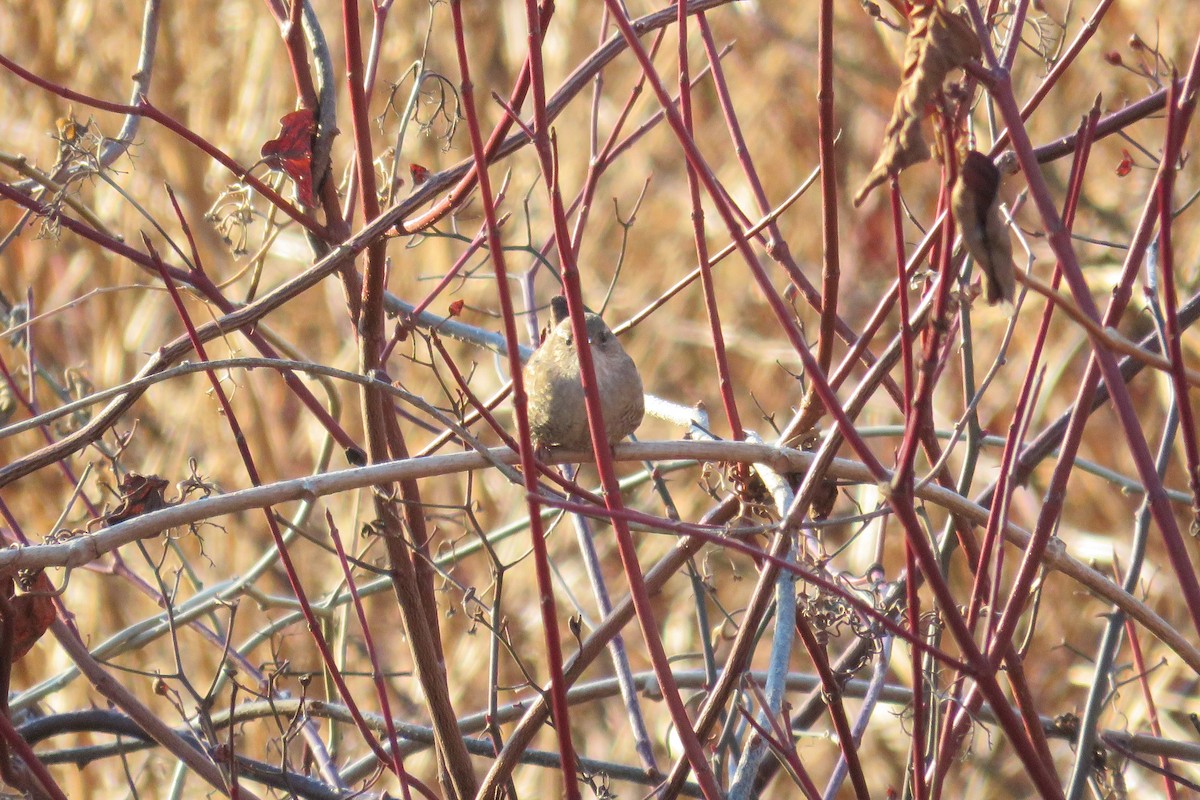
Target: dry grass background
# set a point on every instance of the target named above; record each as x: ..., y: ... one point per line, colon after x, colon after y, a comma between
x: 222, y: 71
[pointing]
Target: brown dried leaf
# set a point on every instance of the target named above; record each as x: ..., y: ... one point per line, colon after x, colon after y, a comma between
x: 938, y: 42
x: 140, y: 494
x: 292, y: 151
x: 976, y: 203
x: 825, y: 497
x: 32, y: 614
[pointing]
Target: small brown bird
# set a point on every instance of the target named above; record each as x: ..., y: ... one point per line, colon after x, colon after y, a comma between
x: 557, y: 412
x: 976, y: 202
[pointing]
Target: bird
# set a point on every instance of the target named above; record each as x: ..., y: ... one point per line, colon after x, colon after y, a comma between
x: 557, y: 412
x: 976, y: 203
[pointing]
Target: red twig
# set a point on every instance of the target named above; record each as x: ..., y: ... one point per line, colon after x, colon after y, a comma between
x: 467, y: 254
x: 377, y: 669
x: 1170, y: 300
x: 558, y: 691
x: 831, y: 686
x: 201, y: 283
x: 1105, y: 362
x: 958, y: 724
x: 1005, y: 486
x: 831, y: 269
x: 408, y: 551
x: 285, y: 558
x: 466, y: 183
x: 1061, y: 64
x: 12, y: 739
x: 812, y: 576
x: 1139, y: 669
x: 147, y: 109
x: 779, y: 740
x: 1039, y: 771
x: 724, y: 379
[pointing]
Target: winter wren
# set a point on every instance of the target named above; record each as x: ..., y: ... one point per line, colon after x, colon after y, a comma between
x: 557, y: 412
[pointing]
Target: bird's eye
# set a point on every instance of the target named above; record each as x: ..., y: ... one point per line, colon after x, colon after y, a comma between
x: 604, y: 337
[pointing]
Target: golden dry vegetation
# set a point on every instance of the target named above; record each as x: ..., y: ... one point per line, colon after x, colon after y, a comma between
x: 222, y: 72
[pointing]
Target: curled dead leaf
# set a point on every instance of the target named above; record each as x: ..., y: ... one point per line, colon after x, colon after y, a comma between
x: 976, y: 204
x: 291, y: 152
x: 140, y: 494
x: 32, y: 614
x: 1126, y: 165
x: 938, y: 42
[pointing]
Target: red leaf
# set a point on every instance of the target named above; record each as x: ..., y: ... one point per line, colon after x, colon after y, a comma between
x: 32, y: 615
x: 1126, y: 165
x: 456, y: 308
x: 292, y: 151
x: 419, y: 174
x: 140, y: 494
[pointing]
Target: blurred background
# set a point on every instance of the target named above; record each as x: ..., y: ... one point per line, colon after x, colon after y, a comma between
x: 222, y: 71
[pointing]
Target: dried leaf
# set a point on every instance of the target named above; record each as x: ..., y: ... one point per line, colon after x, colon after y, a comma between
x: 826, y: 496
x: 938, y: 42
x: 292, y: 151
x: 70, y: 130
x: 419, y: 174
x: 140, y: 494
x: 1126, y: 165
x: 976, y: 202
x: 32, y: 614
